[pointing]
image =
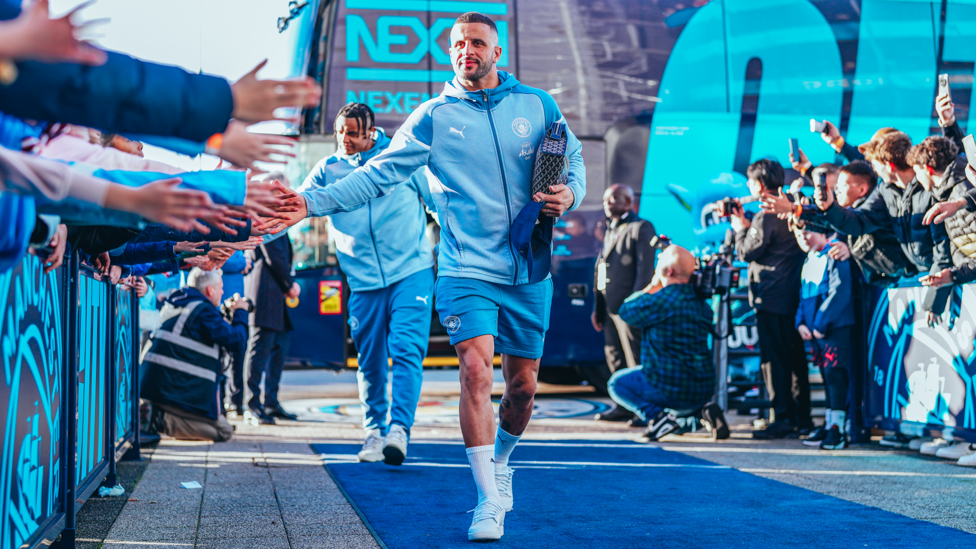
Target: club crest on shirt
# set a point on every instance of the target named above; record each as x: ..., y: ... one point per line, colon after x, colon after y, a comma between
x: 527, y: 150
x: 453, y: 324
x: 521, y: 127
x: 353, y: 323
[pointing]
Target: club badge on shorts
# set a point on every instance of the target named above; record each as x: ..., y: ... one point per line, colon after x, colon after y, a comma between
x: 453, y: 324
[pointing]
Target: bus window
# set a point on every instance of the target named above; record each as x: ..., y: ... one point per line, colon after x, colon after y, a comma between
x: 313, y: 242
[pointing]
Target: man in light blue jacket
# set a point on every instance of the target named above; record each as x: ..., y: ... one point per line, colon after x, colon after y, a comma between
x: 476, y: 143
x: 384, y: 251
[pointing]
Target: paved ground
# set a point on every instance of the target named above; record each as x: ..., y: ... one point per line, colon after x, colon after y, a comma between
x: 267, y: 490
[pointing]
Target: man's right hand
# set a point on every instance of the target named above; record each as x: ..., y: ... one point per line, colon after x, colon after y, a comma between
x: 823, y: 202
x: 946, y: 110
x: 596, y: 325
x: 832, y: 135
x: 805, y: 333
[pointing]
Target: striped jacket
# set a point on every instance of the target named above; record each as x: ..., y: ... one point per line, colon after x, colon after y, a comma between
x: 183, y: 363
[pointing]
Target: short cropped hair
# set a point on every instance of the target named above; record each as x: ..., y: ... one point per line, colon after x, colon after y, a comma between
x: 862, y: 170
x: 475, y: 17
x: 894, y: 148
x: 935, y: 152
x: 767, y: 172
x: 201, y: 280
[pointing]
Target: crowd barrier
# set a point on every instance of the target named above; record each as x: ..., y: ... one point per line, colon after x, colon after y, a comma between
x: 69, y: 397
x: 920, y: 379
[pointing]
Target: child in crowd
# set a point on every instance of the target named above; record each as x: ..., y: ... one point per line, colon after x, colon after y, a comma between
x: 825, y: 318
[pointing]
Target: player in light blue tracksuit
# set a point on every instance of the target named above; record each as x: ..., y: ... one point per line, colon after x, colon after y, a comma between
x: 387, y: 259
x: 477, y: 143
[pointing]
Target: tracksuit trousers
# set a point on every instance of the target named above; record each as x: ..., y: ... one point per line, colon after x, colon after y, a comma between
x: 392, y: 323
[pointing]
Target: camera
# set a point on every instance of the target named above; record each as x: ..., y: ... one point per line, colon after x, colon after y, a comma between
x: 727, y: 206
x: 227, y: 307
x: 714, y: 275
x: 818, y: 126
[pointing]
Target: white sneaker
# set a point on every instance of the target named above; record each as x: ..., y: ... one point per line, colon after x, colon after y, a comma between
x: 930, y: 448
x: 916, y: 443
x: 967, y: 461
x: 373, y: 447
x: 956, y: 450
x: 503, y: 481
x: 395, y: 448
x: 488, y: 522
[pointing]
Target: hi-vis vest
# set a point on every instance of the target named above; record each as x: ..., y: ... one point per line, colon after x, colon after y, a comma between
x: 180, y: 371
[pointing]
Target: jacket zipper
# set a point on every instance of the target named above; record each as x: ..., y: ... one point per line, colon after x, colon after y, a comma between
x: 501, y: 168
x: 372, y: 241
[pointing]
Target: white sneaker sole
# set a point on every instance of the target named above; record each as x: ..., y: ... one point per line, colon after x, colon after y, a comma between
x: 369, y: 458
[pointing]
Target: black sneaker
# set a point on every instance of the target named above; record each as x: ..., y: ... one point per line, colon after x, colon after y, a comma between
x: 636, y: 422
x: 776, y: 429
x: 263, y: 418
x: 835, y: 440
x: 279, y: 412
x: 897, y: 440
x: 618, y: 413
x: 816, y: 436
x: 661, y: 425
x: 714, y: 419
x: 157, y: 425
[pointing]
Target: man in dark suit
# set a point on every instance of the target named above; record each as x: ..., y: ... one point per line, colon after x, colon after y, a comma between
x: 625, y: 266
x: 272, y: 327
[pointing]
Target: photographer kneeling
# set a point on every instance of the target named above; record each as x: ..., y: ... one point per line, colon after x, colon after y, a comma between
x: 678, y: 371
x: 183, y: 364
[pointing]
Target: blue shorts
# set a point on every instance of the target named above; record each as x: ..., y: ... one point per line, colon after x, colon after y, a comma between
x: 517, y: 316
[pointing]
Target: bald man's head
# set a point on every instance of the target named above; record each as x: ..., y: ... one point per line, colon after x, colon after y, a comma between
x: 675, y: 265
x: 617, y: 200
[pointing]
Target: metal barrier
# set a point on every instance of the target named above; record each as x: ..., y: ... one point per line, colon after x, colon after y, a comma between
x: 70, y: 396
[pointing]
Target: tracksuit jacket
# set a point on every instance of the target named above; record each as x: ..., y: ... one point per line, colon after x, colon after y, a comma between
x: 825, y: 293
x: 478, y: 154
x: 385, y: 241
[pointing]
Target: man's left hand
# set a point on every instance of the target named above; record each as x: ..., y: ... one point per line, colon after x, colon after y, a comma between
x: 558, y: 203
x: 817, y: 334
x: 932, y: 319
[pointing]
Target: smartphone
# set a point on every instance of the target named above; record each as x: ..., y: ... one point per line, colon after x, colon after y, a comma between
x: 944, y: 85
x: 818, y: 126
x: 822, y: 183
x: 969, y: 144
x: 795, y: 149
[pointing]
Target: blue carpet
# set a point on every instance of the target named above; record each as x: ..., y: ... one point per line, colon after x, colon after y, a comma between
x: 616, y: 495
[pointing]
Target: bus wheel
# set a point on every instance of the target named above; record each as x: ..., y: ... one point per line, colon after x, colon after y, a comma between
x: 560, y: 375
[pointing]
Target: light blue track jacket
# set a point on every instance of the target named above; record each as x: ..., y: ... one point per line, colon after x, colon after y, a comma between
x: 478, y: 163
x: 383, y: 242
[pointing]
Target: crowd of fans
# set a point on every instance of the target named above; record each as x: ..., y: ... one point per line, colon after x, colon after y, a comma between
x: 73, y: 120
x: 895, y: 209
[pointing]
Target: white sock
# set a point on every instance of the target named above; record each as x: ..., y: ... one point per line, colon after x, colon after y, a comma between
x: 840, y: 420
x: 827, y: 416
x: 504, y: 444
x: 482, y: 460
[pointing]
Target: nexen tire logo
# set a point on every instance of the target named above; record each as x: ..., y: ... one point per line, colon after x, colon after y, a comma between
x: 399, y: 30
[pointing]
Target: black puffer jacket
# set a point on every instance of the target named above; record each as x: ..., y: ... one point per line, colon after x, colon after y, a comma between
x: 961, y: 227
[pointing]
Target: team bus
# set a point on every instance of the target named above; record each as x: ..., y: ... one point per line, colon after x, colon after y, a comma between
x: 673, y: 98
